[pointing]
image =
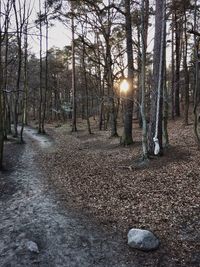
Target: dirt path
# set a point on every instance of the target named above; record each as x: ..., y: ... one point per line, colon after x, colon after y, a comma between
x: 29, y: 212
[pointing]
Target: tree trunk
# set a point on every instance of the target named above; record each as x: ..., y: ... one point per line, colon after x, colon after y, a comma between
x: 177, y: 72
x: 86, y: 90
x: 186, y: 75
x: 196, y: 89
x: 143, y: 78
x: 109, y: 77
x: 74, y: 128
x: 19, y: 24
x: 46, y: 70
x: 127, y: 138
x: 165, y: 108
x: 41, y: 91
x: 172, y: 72
x: 155, y: 125
x: 25, y: 91
x: 1, y: 101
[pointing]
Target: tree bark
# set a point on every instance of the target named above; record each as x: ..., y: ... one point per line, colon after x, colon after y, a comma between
x: 143, y: 79
x: 172, y: 72
x: 1, y: 100
x: 178, y: 59
x: 86, y: 90
x: 127, y: 138
x: 196, y: 88
x: 74, y: 127
x: 41, y: 72
x: 186, y: 75
x: 156, y: 115
x: 46, y: 70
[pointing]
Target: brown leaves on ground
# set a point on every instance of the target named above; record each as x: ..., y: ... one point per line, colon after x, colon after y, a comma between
x: 96, y: 175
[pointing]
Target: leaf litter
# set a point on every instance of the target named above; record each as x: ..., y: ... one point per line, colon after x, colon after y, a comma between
x: 94, y: 175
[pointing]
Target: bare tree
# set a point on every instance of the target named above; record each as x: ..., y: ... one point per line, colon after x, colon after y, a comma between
x: 74, y: 127
x: 41, y: 72
x: 143, y: 78
x: 155, y: 127
x: 127, y: 138
x: 1, y: 95
x: 196, y: 88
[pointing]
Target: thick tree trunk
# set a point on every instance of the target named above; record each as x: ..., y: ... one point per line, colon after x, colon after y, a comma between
x: 1, y: 99
x: 1, y: 111
x: 196, y: 88
x: 127, y: 138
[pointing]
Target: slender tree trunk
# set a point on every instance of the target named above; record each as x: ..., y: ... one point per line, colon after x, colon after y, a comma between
x: 145, y: 23
x: 100, y: 87
x: 19, y: 25
x: 186, y: 75
x: 41, y: 72
x: 172, y: 72
x: 109, y: 77
x: 86, y: 90
x: 25, y: 91
x: 177, y: 72
x: 156, y: 116
x: 7, y: 119
x: 127, y: 138
x: 74, y: 127
x: 46, y: 71
x: 143, y: 78
x: 165, y: 107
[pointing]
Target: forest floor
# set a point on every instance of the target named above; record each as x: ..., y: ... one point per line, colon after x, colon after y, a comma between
x: 78, y: 196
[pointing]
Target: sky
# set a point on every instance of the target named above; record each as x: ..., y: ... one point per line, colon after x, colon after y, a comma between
x: 59, y: 35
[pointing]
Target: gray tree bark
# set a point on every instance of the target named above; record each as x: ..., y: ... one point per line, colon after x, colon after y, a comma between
x: 156, y: 114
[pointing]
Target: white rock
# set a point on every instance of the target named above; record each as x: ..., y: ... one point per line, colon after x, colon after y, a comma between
x: 32, y: 247
x: 142, y: 240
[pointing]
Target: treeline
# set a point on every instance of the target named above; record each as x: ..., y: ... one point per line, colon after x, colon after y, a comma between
x: 110, y: 42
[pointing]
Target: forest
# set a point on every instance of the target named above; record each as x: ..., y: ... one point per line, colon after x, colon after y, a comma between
x: 108, y: 126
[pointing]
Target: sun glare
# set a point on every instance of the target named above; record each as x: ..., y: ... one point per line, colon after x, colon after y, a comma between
x: 124, y: 86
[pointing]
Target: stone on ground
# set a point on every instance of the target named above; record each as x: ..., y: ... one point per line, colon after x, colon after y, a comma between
x: 32, y: 246
x: 142, y: 240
